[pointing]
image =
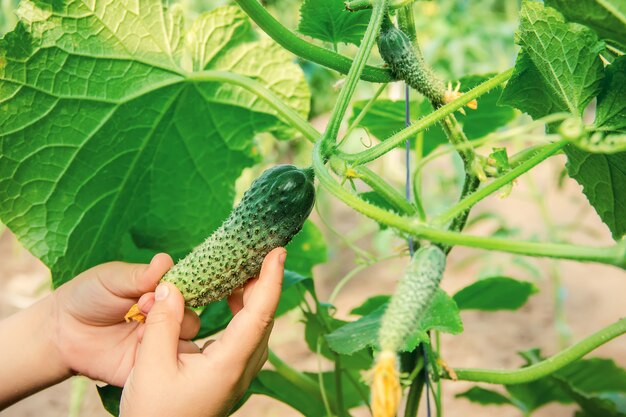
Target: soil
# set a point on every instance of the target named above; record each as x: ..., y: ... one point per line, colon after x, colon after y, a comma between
x: 594, y: 297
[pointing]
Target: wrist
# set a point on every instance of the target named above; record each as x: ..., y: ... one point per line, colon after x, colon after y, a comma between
x: 30, y: 355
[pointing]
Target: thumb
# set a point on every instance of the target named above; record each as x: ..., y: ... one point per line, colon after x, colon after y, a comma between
x: 159, y: 346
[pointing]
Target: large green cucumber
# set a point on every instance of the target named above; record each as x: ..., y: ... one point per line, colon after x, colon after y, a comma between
x: 270, y: 213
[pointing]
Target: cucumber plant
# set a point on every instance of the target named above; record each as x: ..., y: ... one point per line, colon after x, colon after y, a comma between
x: 124, y: 129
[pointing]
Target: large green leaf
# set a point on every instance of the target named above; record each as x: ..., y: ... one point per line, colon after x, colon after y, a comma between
x: 109, y: 148
x: 442, y: 315
x: 607, y: 17
x: 558, y: 69
x: 329, y: 21
x: 564, y: 54
x: 495, y: 293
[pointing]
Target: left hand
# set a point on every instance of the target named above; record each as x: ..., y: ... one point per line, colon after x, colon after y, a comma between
x: 87, y: 316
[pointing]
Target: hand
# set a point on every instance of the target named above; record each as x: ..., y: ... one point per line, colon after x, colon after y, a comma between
x: 90, y: 333
x: 166, y: 382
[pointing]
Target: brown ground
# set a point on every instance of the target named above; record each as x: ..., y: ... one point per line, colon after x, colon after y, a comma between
x: 595, y: 298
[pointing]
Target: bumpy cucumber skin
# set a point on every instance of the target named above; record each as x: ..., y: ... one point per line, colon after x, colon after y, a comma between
x: 270, y: 213
x: 405, y: 62
x: 412, y: 297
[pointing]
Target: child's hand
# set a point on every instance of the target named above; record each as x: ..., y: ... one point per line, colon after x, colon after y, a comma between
x: 87, y: 316
x: 166, y: 382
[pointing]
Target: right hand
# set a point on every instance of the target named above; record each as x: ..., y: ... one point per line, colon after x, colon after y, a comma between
x: 167, y: 383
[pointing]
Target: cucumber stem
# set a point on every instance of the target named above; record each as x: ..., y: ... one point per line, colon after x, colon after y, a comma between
x: 545, y: 367
x: 306, y: 50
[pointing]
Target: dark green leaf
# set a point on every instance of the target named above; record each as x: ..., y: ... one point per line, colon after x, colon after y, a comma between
x: 353, y: 387
x: 607, y: 17
x: 378, y: 200
x: 371, y: 304
x: 603, y: 178
x: 276, y: 386
x: 329, y: 21
x: 485, y: 396
x: 495, y: 293
x: 594, y: 375
x: 442, y: 315
x: 307, y: 249
x: 533, y: 395
x: 110, y: 397
x: 611, y: 107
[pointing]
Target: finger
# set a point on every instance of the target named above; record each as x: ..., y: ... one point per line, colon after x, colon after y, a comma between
x: 261, y: 296
x: 185, y: 346
x: 235, y: 300
x: 132, y: 280
x: 252, y: 324
x: 190, y: 325
x: 161, y: 332
x: 146, y: 302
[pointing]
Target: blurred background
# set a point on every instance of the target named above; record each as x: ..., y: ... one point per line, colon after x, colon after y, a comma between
x: 460, y: 38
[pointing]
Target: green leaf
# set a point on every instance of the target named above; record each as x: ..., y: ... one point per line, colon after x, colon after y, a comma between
x: 108, y: 149
x: 351, y: 396
x: 110, y: 397
x: 565, y: 58
x: 485, y: 396
x: 442, y: 315
x: 526, y: 90
x: 594, y: 375
x: 495, y: 293
x: 329, y: 21
x: 603, y: 178
x: 318, y: 326
x: 611, y: 107
x: 606, y: 17
x: 371, y: 304
x: 277, y: 386
x: 307, y: 249
x: 533, y: 395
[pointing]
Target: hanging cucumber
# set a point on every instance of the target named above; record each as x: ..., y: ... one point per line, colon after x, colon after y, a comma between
x: 406, y: 62
x: 269, y: 215
x: 410, y: 301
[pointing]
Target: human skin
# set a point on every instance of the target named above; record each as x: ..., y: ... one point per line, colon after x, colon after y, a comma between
x: 79, y: 329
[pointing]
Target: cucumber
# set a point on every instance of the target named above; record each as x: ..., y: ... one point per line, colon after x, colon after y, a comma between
x: 270, y: 213
x: 405, y: 61
x: 411, y: 298
x: 410, y: 301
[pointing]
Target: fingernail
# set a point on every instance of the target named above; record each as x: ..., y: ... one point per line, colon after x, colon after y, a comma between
x: 161, y: 292
x: 282, y: 257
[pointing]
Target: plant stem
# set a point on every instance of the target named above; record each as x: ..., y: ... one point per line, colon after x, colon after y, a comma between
x: 343, y: 101
x: 425, y: 122
x: 297, y: 378
x: 547, y: 366
x: 415, y: 393
x: 270, y: 98
x: 341, y: 411
x: 291, y: 42
x: 383, y: 188
x: 320, y: 378
x: 473, y: 198
x: 613, y: 255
